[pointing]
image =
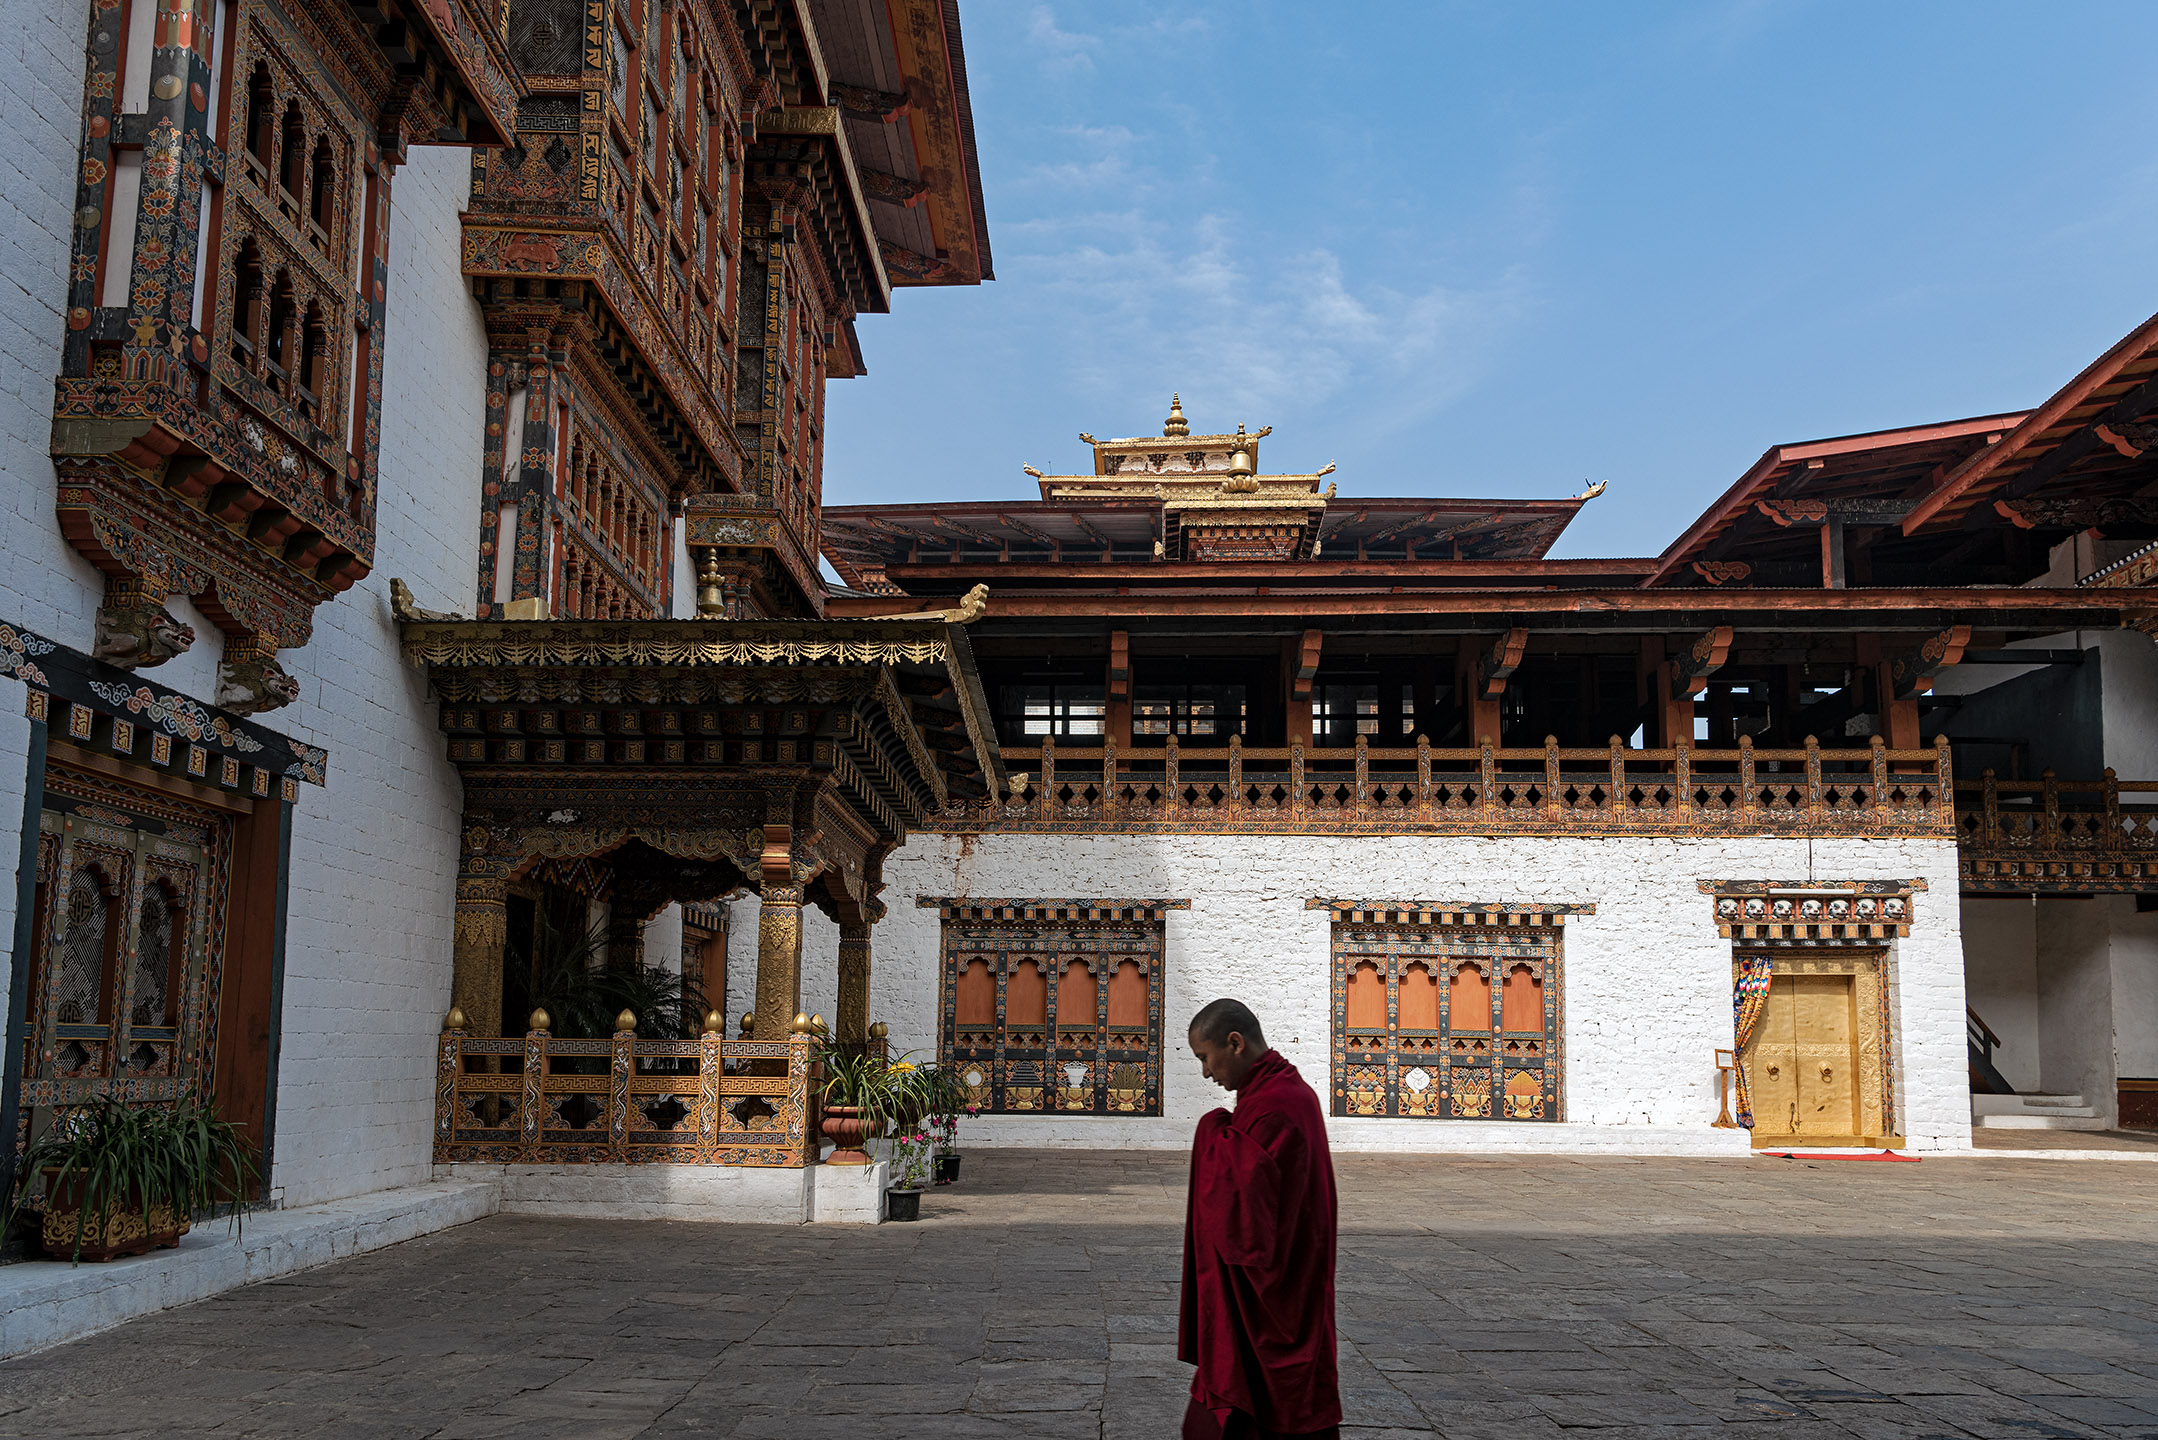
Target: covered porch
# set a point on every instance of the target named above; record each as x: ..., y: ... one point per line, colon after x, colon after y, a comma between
x: 631, y: 765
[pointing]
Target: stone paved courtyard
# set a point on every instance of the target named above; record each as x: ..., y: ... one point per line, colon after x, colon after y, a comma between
x: 1478, y: 1298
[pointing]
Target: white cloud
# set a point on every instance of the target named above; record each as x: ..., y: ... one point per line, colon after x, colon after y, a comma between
x: 1059, y: 51
x: 1198, y: 304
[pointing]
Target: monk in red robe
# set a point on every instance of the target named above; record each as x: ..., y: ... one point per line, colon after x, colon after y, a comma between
x: 1258, y: 1311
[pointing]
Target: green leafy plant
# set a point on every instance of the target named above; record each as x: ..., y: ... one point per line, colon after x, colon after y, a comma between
x: 109, y: 1155
x: 860, y: 1079
x: 582, y: 994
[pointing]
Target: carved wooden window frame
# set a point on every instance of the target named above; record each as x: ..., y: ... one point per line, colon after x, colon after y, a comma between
x: 1444, y: 1074
x: 1101, y: 1073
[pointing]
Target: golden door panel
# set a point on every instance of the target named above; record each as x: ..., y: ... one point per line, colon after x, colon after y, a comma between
x: 1817, y: 1064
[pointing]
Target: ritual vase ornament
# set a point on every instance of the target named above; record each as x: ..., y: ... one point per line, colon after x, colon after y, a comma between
x: 947, y: 1169
x: 849, y: 1132
x: 902, y: 1204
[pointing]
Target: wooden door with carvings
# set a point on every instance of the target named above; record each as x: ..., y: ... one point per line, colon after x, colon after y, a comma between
x: 128, y: 911
x: 1817, y: 1067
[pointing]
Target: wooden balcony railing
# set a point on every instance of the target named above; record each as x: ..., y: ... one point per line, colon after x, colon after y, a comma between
x: 1488, y: 790
x: 624, y: 1100
x: 2069, y: 836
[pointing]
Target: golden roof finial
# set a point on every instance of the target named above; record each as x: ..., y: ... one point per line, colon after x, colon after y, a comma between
x: 1176, y: 424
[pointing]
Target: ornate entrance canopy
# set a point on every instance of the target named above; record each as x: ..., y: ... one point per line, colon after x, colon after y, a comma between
x: 698, y: 757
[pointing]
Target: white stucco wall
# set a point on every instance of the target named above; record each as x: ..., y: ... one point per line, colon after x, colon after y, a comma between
x: 44, y: 584
x: 374, y: 853
x: 2000, y: 976
x: 2129, y: 702
x: 2075, y: 1002
x: 1648, y: 979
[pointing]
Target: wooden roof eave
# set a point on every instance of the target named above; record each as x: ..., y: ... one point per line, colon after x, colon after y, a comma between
x: 1777, y: 463
x: 2034, y: 428
x: 692, y: 644
x: 474, y: 51
x: 1868, y: 609
x: 828, y: 124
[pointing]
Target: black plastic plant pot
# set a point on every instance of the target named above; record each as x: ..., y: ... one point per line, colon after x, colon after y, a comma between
x: 947, y: 1169
x: 902, y: 1204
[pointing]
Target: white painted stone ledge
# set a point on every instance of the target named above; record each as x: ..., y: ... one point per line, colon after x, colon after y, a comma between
x: 49, y: 1302
x: 736, y: 1194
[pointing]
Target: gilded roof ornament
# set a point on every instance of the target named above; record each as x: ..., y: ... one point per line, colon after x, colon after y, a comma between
x: 1176, y: 424
x: 1589, y: 494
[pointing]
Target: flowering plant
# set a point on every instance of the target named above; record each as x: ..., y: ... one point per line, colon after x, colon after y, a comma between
x: 910, y: 1160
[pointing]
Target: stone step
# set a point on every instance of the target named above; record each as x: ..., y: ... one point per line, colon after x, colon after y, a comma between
x: 2030, y: 1104
x: 2085, y: 1121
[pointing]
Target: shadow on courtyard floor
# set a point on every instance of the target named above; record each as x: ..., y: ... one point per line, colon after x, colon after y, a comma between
x: 1487, y: 1297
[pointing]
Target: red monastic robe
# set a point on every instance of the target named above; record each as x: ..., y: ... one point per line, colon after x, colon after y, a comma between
x: 1258, y: 1310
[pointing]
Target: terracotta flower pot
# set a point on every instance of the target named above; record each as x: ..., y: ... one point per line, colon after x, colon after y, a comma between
x: 849, y: 1132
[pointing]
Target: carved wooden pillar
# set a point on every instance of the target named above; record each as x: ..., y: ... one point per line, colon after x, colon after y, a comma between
x: 481, y: 929
x: 852, y: 1019
x: 779, y: 937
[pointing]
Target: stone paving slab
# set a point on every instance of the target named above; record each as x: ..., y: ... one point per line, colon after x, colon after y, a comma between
x: 1516, y: 1297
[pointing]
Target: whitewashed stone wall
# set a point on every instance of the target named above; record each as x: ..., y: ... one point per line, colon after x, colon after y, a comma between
x: 374, y: 854
x: 367, y: 954
x: 44, y: 584
x: 2000, y: 970
x: 1648, y: 979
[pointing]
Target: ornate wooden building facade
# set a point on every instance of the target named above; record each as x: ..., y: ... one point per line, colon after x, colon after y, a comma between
x: 1298, y: 689
x: 676, y: 211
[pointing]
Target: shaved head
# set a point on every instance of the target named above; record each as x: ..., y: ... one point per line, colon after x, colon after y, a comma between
x: 1217, y: 1021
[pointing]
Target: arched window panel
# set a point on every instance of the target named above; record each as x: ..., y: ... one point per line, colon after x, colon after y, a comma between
x: 1077, y: 996
x: 1521, y: 1004
x: 1367, y: 997
x: 322, y: 194
x: 248, y: 305
x: 1026, y: 996
x: 292, y: 157
x: 1468, y: 1005
x: 1419, y: 997
x: 80, y: 987
x: 1128, y: 997
x: 261, y: 123
x: 976, y: 995
x: 160, y: 936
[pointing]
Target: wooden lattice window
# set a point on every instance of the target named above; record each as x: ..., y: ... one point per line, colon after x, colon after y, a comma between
x: 1054, y: 1005
x: 1446, y: 1013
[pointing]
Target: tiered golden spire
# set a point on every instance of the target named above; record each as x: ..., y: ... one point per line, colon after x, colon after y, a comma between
x: 1176, y: 424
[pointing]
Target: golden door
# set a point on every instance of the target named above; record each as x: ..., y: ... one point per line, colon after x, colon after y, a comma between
x: 1802, y: 1065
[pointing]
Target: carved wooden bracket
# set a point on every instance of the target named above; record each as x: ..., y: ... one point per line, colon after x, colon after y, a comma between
x: 1119, y: 664
x: 1307, y: 664
x: 1912, y: 672
x: 1498, y: 663
x: 1689, y: 676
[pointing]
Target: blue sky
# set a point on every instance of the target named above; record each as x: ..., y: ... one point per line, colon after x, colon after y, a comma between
x: 1501, y: 250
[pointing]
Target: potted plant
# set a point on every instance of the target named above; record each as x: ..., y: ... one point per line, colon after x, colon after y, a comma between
x: 122, y: 1179
x: 911, y: 1152
x: 948, y: 1100
x: 859, y: 1098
